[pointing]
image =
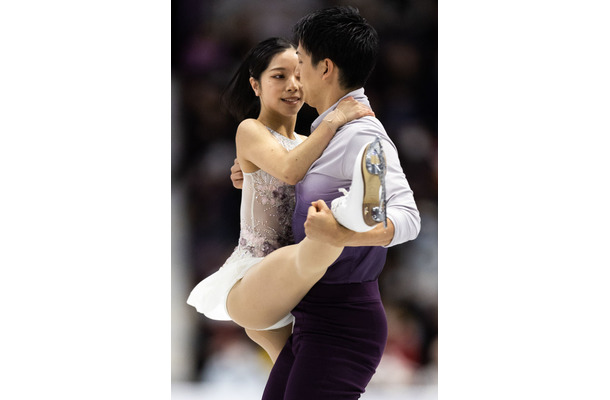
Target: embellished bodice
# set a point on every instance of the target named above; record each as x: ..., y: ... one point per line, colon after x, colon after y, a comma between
x: 267, y: 205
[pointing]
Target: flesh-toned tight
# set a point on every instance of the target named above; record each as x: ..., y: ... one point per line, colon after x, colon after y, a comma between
x: 274, y: 286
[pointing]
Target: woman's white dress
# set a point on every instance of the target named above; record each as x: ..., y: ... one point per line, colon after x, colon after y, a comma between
x: 267, y: 205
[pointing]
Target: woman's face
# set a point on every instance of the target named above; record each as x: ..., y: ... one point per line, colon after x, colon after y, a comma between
x: 279, y: 88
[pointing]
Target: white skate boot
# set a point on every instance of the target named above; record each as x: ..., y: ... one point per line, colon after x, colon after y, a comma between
x: 364, y: 205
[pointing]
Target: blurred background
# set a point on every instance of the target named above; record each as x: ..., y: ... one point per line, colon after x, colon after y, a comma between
x: 209, y: 39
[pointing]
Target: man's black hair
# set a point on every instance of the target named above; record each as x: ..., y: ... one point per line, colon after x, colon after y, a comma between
x: 344, y: 36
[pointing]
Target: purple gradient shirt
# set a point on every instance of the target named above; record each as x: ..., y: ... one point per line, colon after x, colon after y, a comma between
x: 333, y: 170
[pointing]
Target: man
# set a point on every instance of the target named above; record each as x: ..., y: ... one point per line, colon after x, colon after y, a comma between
x: 340, y: 328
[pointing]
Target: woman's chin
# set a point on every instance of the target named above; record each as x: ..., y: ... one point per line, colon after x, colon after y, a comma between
x: 293, y: 110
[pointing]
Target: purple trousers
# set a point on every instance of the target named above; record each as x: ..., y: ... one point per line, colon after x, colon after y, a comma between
x: 338, y: 339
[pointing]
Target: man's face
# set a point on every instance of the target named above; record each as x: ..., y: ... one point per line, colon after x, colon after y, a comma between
x: 309, y: 76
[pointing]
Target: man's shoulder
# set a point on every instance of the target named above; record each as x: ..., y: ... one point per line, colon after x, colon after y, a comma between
x: 366, y: 123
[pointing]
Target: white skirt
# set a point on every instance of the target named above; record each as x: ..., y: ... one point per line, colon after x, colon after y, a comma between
x: 209, y: 297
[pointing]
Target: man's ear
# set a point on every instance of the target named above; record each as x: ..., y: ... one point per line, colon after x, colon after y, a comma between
x: 329, y: 68
x: 255, y: 86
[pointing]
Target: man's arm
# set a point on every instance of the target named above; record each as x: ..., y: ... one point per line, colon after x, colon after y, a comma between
x: 403, y: 218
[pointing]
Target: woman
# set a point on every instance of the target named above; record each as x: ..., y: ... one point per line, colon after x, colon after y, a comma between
x: 266, y: 277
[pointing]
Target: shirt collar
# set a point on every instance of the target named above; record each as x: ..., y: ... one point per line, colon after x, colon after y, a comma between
x: 357, y: 94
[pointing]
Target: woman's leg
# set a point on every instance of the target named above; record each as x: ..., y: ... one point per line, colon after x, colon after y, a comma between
x: 272, y: 341
x: 274, y: 286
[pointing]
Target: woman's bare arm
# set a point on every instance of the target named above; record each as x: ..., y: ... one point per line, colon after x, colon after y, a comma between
x: 256, y: 146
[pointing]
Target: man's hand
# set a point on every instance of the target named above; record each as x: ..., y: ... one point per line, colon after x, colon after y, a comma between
x: 237, y: 176
x: 322, y: 226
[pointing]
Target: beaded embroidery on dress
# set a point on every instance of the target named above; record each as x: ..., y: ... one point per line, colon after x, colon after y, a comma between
x: 267, y: 205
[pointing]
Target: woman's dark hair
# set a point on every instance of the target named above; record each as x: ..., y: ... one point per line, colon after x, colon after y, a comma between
x: 239, y: 98
x: 344, y: 36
